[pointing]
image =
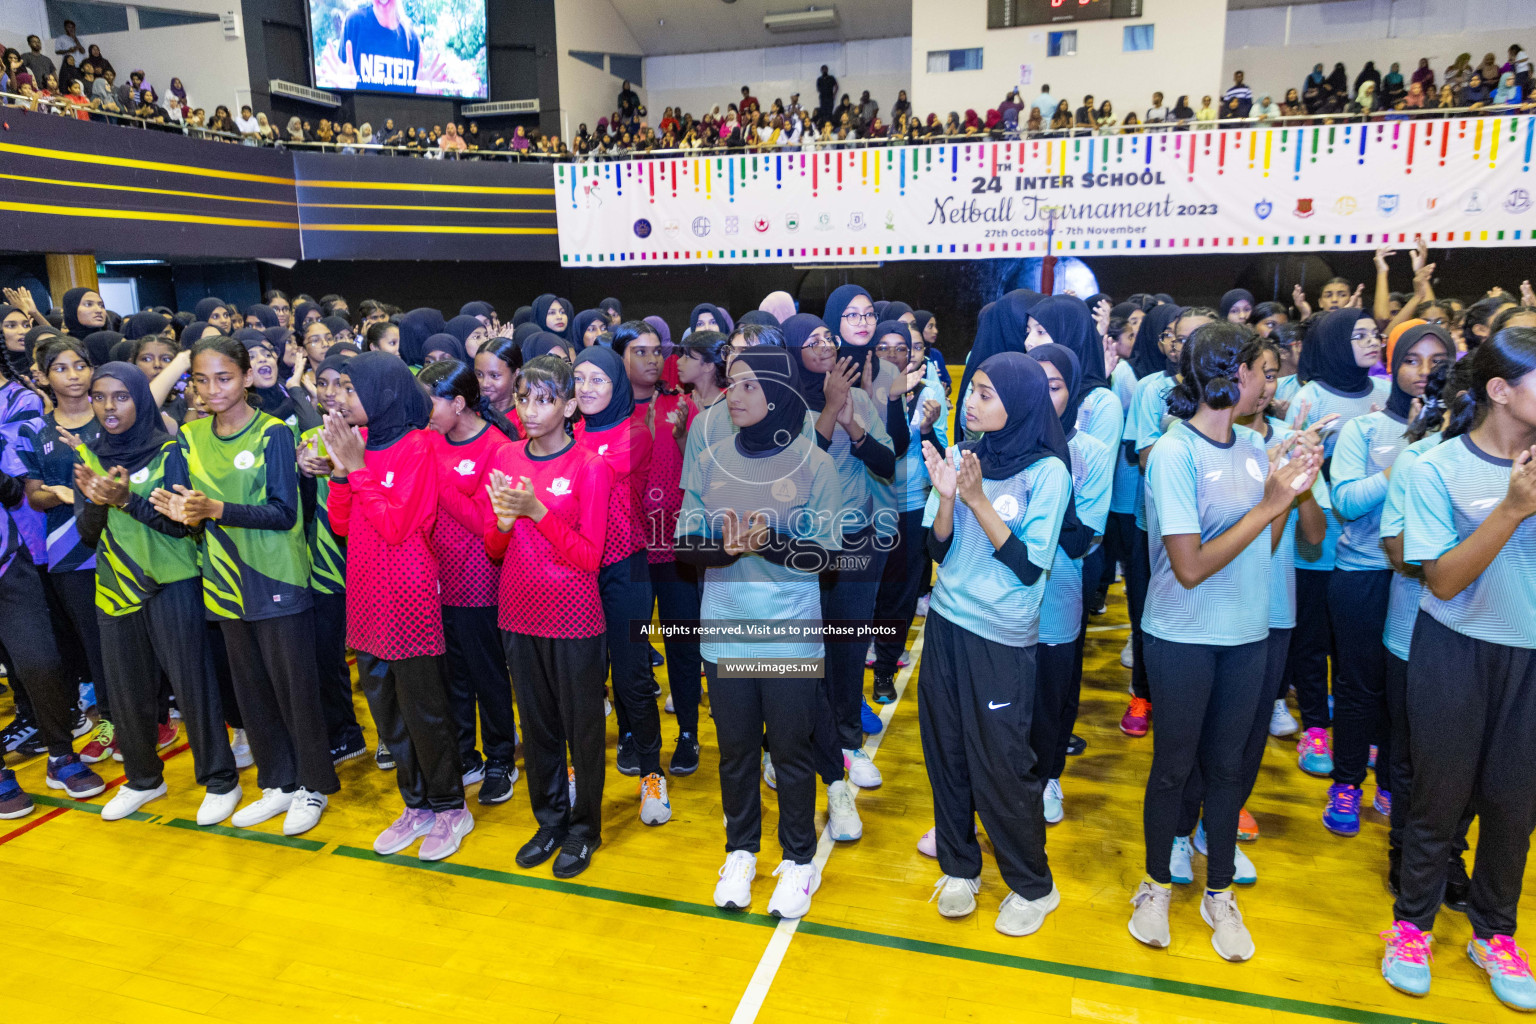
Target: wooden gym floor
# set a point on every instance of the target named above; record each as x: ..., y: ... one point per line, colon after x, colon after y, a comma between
x: 156, y: 920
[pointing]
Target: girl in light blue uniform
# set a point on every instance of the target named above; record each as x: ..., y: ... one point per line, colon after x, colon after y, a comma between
x: 1358, y: 587
x: 1470, y: 523
x: 1059, y: 668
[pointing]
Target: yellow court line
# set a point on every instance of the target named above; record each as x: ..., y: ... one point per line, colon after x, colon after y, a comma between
x: 403, y: 186
x: 146, y: 165
x: 150, y: 191
x: 151, y: 215
x: 408, y: 206
x: 431, y: 229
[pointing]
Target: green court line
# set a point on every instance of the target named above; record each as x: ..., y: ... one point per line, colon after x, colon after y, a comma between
x: 1122, y: 979
x: 80, y: 805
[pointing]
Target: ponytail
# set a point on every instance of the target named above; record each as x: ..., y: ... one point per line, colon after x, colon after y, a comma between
x: 1510, y: 355
x: 1208, y: 368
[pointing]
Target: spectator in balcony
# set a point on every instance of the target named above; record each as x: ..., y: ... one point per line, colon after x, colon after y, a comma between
x: 629, y: 100
x: 1157, y: 113
x: 1416, y: 100
x: 1239, y: 92
x: 877, y: 129
x: 1508, y: 94
x: 296, y: 130
x: 1034, y: 125
x: 826, y: 91
x: 1182, y: 113
x: 1045, y: 103
x: 177, y: 95
x: 347, y: 138
x: 451, y: 143
x: 791, y: 113
x: 519, y: 140
x: 69, y: 73
x: 221, y: 121
x: 868, y: 108
x: 1131, y: 125
x: 1205, y: 117
x: 844, y: 106
x: 1475, y: 94
x: 248, y: 127
x: 1104, y: 118
x: 1520, y: 63
x: 1488, y: 70
x: 1393, y: 88
x: 41, y: 65
x: 1085, y: 114
x: 96, y: 61
x: 1425, y: 76
x: 669, y: 122
x: 1370, y: 74
x: 76, y: 97
x: 69, y: 42
x: 12, y: 69
x: 1337, y: 84
x: 903, y: 106
x: 149, y: 108
x: 265, y: 130
x: 128, y: 92
x: 748, y: 101
x: 1061, y: 120
x: 324, y: 132
x: 1291, y: 106
x: 1366, y: 100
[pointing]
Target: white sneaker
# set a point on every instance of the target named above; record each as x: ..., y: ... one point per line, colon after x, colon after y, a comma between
x: 1244, y: 873
x: 1281, y: 723
x: 861, y: 770
x: 655, y: 808
x: 1127, y: 657
x: 792, y: 896
x: 1229, y: 936
x: 734, y: 890
x: 1019, y: 916
x: 1052, y: 798
x: 125, y: 801
x: 671, y: 708
x: 869, y: 655
x: 922, y: 607
x: 843, y: 820
x: 956, y: 896
x: 769, y: 775
x: 1179, y: 867
x: 217, y: 807
x: 1149, y: 921
x: 304, y: 812
x: 270, y: 804
x: 241, y: 749
x: 607, y: 707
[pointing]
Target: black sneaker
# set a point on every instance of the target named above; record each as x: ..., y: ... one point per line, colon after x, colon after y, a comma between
x: 628, y: 758
x: 685, y: 759
x: 1394, y: 870
x: 1076, y: 745
x: 383, y: 758
x: 497, y: 787
x: 18, y: 732
x: 657, y: 659
x: 474, y: 769
x: 352, y: 748
x: 541, y: 847
x: 81, y: 725
x: 1457, y: 885
x: 885, y: 689
x: 575, y: 856
x: 33, y: 746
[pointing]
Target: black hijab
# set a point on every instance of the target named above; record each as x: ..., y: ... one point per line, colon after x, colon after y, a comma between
x: 1033, y: 431
x: 758, y: 316
x: 920, y: 318
x: 1069, y: 322
x: 1328, y: 356
x: 523, y: 331
x: 142, y: 325
x: 622, y: 404
x: 395, y: 402
x: 1065, y: 361
x: 337, y: 324
x: 193, y: 333
x: 1400, y: 402
x: 301, y: 311
x: 541, y: 343
x: 611, y: 303
x: 71, y: 308
x: 721, y: 323
x: 206, y: 307
x: 135, y: 447
x: 415, y: 328
x: 523, y: 315
x: 541, y: 307
x: 122, y: 352
x: 274, y: 400
x: 21, y: 362
x: 1002, y: 327
x: 895, y: 310
x: 478, y: 309
x: 98, y: 346
x: 583, y: 320
x: 264, y: 314
x: 796, y: 330
x: 1146, y: 357
x: 1123, y: 310
x: 832, y: 316
x: 445, y: 342
x: 1232, y: 298
x: 462, y: 326
x: 779, y: 378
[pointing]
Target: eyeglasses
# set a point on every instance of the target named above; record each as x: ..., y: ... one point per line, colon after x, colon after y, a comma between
x: 594, y: 381
x: 1365, y: 336
x: 892, y: 349
x: 860, y: 317
x: 819, y: 343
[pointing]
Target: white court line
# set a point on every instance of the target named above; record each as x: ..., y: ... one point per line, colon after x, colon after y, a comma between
x: 768, y: 964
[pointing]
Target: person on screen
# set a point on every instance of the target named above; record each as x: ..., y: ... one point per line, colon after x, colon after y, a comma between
x: 378, y: 49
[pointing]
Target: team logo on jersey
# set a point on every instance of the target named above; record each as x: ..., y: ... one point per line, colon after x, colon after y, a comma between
x: 784, y: 490
x: 1006, y: 506
x: 559, y: 486
x: 1212, y: 476
x: 602, y: 449
x: 1483, y: 503
x: 245, y: 460
x: 464, y: 468
x: 1253, y: 469
x: 389, y: 479
x: 142, y: 476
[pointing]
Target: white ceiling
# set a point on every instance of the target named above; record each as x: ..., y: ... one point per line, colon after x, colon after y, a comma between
x: 701, y: 26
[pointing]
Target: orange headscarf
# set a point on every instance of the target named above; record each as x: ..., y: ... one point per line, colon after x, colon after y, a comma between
x: 1397, y: 332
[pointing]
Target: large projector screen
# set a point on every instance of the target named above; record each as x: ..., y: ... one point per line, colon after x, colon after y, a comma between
x: 425, y: 47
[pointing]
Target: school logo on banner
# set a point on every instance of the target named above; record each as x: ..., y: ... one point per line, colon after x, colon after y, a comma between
x: 1263, y: 208
x: 1518, y: 202
x: 1303, y: 208
x: 1474, y: 201
x: 701, y: 226
x: 1388, y: 203
x: 792, y: 221
x: 1345, y: 206
x: 732, y: 225
x: 856, y: 221
x: 761, y: 224
x: 642, y: 228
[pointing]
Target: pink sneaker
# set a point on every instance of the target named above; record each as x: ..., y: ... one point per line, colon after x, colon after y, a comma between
x: 448, y: 831
x: 928, y: 846
x: 1313, y: 754
x: 412, y: 824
